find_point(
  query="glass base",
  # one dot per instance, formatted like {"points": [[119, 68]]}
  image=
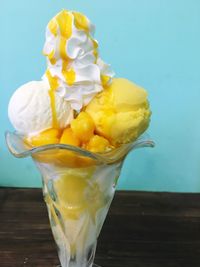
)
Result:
{"points": [[94, 265]]}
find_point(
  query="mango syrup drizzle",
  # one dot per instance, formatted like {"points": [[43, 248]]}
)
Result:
{"points": [[52, 25], [53, 85], [63, 22], [81, 23]]}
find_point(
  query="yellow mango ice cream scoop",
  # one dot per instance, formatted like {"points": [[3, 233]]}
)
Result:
{"points": [[121, 112]]}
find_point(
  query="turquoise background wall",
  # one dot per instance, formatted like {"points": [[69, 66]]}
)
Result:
{"points": [[154, 43]]}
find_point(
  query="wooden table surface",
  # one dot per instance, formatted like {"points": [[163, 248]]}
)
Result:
{"points": [[143, 229]]}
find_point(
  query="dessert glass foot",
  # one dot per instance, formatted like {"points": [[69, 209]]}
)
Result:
{"points": [[78, 188]]}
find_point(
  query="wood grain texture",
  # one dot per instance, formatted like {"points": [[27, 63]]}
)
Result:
{"points": [[143, 229]]}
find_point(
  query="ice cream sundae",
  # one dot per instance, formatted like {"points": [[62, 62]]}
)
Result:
{"points": [[77, 114]]}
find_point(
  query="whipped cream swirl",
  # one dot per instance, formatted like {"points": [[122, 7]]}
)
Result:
{"points": [[74, 68]]}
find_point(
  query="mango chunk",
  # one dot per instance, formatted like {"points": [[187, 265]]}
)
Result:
{"points": [[83, 126], [50, 136], [98, 144], [69, 138]]}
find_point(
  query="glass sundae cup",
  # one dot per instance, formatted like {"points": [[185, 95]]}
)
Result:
{"points": [[78, 187]]}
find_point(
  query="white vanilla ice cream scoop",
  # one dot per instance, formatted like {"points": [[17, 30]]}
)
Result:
{"points": [[30, 109]]}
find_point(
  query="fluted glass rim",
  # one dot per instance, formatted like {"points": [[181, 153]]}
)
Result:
{"points": [[20, 149]]}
